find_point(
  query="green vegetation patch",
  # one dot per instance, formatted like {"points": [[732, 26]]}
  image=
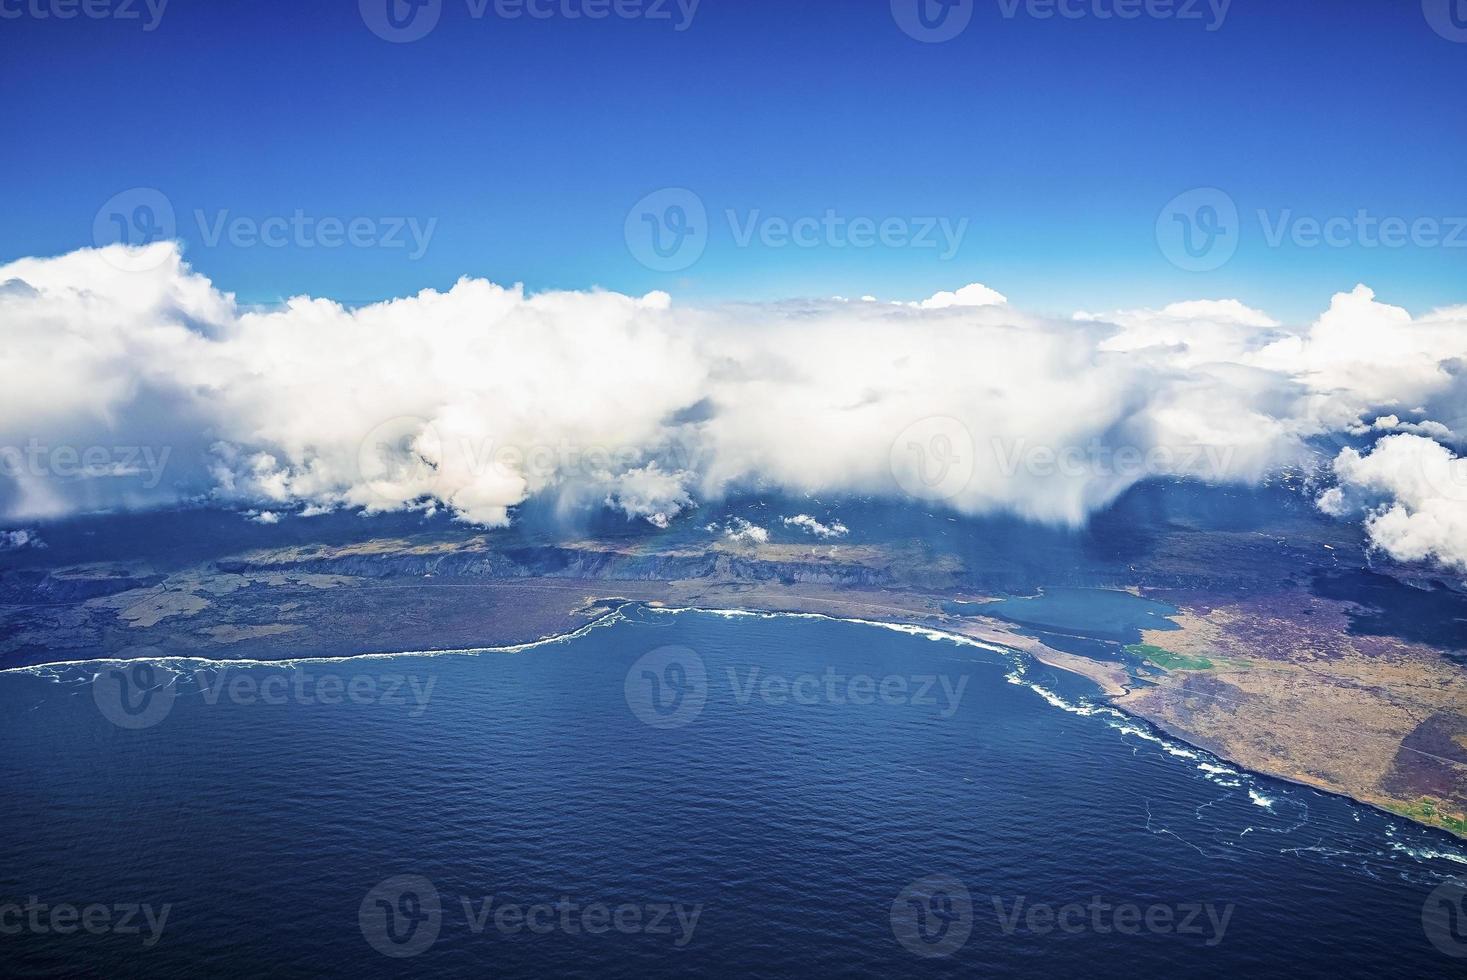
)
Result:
{"points": [[1167, 660], [1427, 810]]}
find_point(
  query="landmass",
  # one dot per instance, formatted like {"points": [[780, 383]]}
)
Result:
{"points": [[1302, 677]]}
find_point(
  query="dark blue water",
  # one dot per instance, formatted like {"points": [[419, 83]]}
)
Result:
{"points": [[756, 824]]}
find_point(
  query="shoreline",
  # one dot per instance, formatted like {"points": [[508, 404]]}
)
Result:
{"points": [[991, 635]]}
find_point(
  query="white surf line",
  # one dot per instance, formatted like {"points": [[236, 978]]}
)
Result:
{"points": [[912, 629], [1118, 719], [606, 619], [1212, 766]]}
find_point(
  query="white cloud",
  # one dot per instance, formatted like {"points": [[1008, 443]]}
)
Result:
{"points": [[477, 398], [1191, 333], [1393, 423], [835, 529], [1365, 354], [973, 294], [15, 540], [741, 530], [1413, 492]]}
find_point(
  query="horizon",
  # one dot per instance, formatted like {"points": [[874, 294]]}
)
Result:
{"points": [[672, 488], [1083, 193]]}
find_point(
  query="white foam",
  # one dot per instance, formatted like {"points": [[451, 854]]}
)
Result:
{"points": [[1018, 662], [1430, 853], [54, 670]]}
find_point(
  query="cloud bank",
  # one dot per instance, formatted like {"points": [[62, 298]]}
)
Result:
{"points": [[131, 381]]}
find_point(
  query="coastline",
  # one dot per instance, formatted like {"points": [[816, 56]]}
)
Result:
{"points": [[906, 613]]}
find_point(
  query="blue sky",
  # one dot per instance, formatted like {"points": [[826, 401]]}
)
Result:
{"points": [[1059, 141]]}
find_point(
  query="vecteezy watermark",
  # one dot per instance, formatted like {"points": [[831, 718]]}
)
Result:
{"points": [[1444, 917], [400, 21], [933, 916], [140, 216], [141, 693], [1200, 230], [407, 457], [148, 13], [404, 915], [1361, 230], [35, 917], [932, 21], [302, 230], [1448, 18], [1214, 12], [1100, 459], [667, 688], [670, 686], [1202, 919], [403, 21], [135, 695], [401, 916], [669, 229], [68, 462], [144, 216], [833, 230], [933, 458]]}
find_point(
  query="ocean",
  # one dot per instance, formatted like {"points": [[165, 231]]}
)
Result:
{"points": [[675, 793]]}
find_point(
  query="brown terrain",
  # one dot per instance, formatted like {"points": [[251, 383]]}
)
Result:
{"points": [[1280, 686]]}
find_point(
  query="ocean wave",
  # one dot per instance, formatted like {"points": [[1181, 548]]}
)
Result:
{"points": [[66, 669], [1019, 663]]}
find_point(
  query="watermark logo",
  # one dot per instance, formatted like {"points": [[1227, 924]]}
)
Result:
{"points": [[1205, 920], [667, 231], [305, 688], [69, 462], [1178, 10], [401, 916], [147, 12], [1444, 917], [1101, 459], [667, 688], [39, 918], [144, 216], [139, 216], [140, 694], [679, 13], [302, 230], [401, 21], [1448, 18], [399, 457], [933, 459], [404, 915], [1198, 230], [894, 690], [932, 21], [933, 916], [1361, 230], [410, 458], [135, 695], [834, 230]]}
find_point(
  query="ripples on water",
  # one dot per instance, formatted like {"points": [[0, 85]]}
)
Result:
{"points": [[799, 832]]}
